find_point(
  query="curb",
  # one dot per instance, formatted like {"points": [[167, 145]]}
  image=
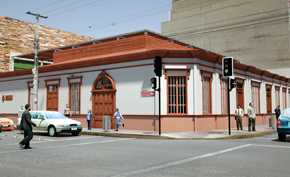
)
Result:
{"points": [[124, 135], [269, 132], [141, 136]]}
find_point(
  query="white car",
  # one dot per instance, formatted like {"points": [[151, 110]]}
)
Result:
{"points": [[53, 122]]}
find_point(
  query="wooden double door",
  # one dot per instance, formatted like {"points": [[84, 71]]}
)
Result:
{"points": [[104, 104]]}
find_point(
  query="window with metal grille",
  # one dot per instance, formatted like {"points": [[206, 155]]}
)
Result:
{"points": [[277, 96], [177, 97], [224, 96], [75, 98], [256, 97], [206, 95], [284, 106]]}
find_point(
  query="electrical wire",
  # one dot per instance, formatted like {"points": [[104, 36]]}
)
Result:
{"points": [[238, 27], [75, 8], [113, 20], [122, 22], [47, 5], [63, 6], [229, 19]]}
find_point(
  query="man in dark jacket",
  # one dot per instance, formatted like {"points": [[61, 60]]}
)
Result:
{"points": [[277, 111], [25, 125]]}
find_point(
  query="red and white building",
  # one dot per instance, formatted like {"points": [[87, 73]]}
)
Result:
{"points": [[115, 72]]}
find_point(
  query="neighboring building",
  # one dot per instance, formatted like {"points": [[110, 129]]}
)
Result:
{"points": [[256, 32], [115, 72], [17, 38]]}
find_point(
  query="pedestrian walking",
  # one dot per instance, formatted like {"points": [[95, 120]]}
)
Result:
{"points": [[25, 125], [239, 113], [20, 112], [277, 111], [67, 112], [252, 117], [118, 116], [89, 119]]}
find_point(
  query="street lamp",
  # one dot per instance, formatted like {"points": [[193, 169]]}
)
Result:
{"points": [[35, 69]]}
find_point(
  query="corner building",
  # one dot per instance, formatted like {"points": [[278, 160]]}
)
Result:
{"points": [[115, 72]]}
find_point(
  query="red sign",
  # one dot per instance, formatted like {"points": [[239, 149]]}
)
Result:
{"points": [[9, 97], [146, 93]]}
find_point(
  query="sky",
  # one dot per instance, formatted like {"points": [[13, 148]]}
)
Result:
{"points": [[93, 18]]}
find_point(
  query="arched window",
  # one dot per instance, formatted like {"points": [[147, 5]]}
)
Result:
{"points": [[104, 84]]}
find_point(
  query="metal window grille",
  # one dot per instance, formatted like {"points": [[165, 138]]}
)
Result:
{"points": [[206, 95], [75, 98], [277, 98], [224, 97], [255, 99], [177, 95]]}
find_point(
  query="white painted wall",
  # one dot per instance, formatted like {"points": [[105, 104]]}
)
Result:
{"points": [[130, 81]]}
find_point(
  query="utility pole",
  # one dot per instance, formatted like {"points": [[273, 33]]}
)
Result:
{"points": [[35, 69]]}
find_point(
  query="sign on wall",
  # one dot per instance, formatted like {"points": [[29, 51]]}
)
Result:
{"points": [[146, 93], [7, 97]]}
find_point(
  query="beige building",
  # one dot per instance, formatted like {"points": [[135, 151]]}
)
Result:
{"points": [[256, 32], [17, 38]]}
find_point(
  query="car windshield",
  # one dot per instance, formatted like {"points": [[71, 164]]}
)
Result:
{"points": [[286, 113], [54, 115]]}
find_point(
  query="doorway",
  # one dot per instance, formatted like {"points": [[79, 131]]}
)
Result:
{"points": [[103, 100], [52, 98]]}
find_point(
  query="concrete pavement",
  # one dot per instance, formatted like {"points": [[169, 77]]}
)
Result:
{"points": [[261, 130]]}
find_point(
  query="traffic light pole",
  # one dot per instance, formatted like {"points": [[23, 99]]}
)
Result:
{"points": [[229, 106]]}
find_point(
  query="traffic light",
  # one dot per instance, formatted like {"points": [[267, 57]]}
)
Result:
{"points": [[232, 84], [158, 66], [153, 83], [227, 66]]}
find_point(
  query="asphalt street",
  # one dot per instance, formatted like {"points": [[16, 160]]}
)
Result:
{"points": [[86, 155]]}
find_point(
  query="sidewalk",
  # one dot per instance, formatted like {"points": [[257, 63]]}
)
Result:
{"points": [[261, 130]]}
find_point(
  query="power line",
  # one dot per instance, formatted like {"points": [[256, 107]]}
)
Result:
{"points": [[75, 8], [47, 5], [64, 6], [122, 22], [230, 19], [113, 20], [229, 27]]}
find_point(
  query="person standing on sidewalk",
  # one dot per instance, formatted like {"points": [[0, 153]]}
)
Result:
{"points": [[118, 116], [239, 113], [20, 112], [25, 125], [89, 119], [67, 111], [277, 111], [252, 117]]}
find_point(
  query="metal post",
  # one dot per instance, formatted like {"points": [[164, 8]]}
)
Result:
{"points": [[36, 57], [35, 78], [159, 105], [229, 112]]}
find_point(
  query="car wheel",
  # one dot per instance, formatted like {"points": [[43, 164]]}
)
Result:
{"points": [[51, 131], [75, 133], [282, 136]]}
